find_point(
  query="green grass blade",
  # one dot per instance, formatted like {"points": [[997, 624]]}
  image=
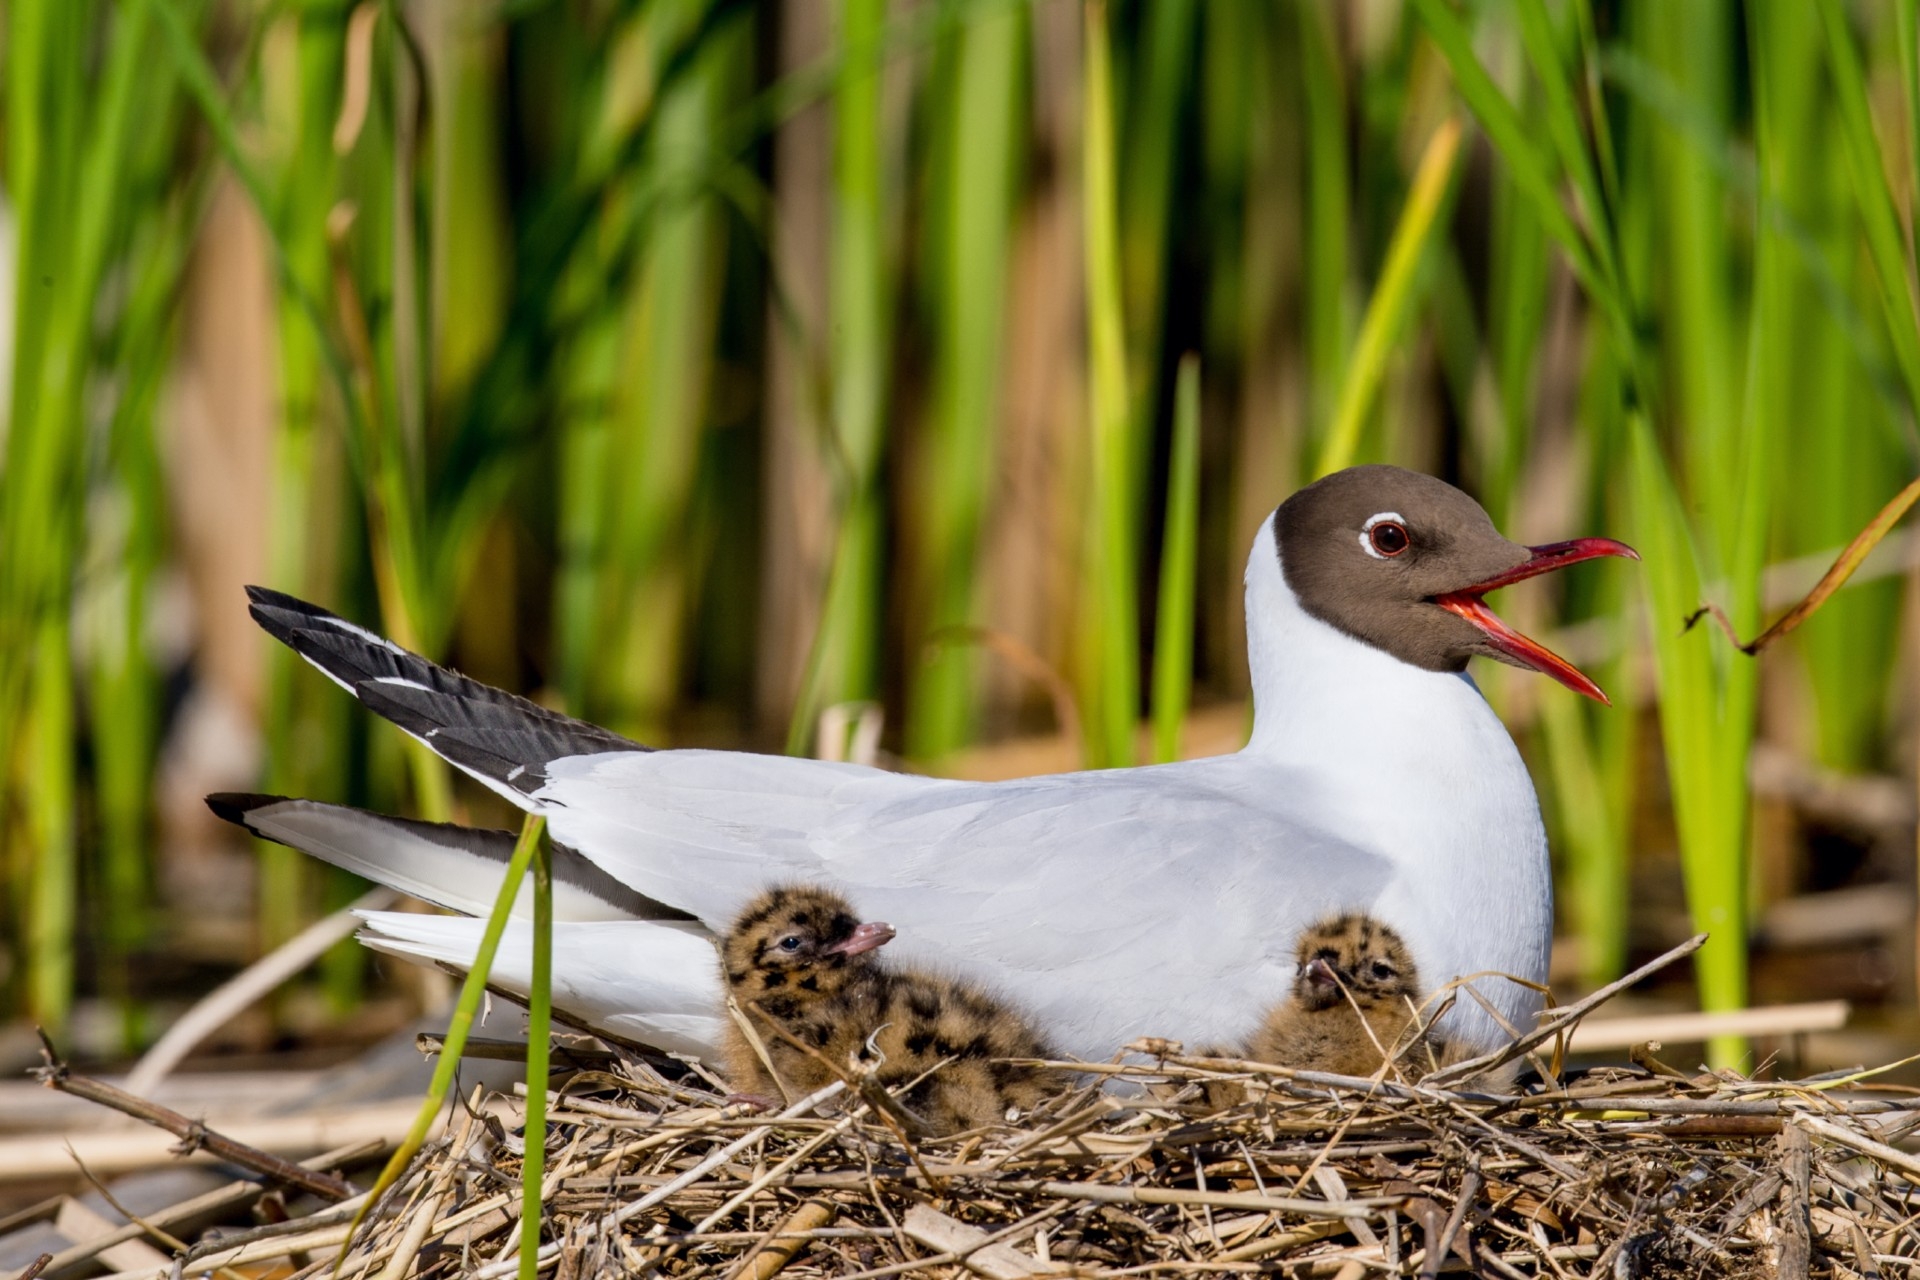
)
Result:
{"points": [[539, 1034], [1328, 207], [976, 167], [1394, 298], [1179, 566], [473, 991], [1706, 757], [1110, 714], [55, 881]]}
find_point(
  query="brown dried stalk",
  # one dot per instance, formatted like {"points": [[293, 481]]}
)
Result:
{"points": [[193, 1135]]}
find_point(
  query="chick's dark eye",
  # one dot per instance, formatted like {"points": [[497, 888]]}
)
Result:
{"points": [[1380, 970], [790, 943], [1389, 538]]}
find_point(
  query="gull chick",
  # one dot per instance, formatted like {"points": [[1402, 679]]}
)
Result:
{"points": [[1354, 995], [802, 968]]}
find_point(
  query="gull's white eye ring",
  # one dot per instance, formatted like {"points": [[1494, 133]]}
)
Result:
{"points": [[1384, 536]]}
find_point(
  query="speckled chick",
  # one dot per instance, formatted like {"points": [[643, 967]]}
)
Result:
{"points": [[798, 959], [1317, 1028]]}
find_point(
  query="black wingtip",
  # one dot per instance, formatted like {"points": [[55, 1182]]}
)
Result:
{"points": [[283, 616], [234, 806], [281, 600]]}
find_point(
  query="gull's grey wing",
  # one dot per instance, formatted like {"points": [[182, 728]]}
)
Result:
{"points": [[1162, 900]]}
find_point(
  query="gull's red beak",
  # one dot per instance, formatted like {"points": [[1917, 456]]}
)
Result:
{"points": [[862, 940], [1467, 603]]}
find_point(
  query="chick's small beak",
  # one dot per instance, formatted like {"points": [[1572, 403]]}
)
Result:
{"points": [[1320, 973], [1508, 643], [863, 939]]}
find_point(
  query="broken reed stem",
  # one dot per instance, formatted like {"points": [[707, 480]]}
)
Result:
{"points": [[193, 1135], [787, 1241], [1560, 1020]]}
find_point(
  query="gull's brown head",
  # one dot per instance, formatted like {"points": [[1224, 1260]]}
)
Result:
{"points": [[1356, 952], [797, 941], [1401, 561]]}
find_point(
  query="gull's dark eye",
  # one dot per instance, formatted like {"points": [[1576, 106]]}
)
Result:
{"points": [[1387, 538], [790, 943], [1380, 971]]}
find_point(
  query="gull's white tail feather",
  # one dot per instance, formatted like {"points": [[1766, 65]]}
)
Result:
{"points": [[655, 982]]}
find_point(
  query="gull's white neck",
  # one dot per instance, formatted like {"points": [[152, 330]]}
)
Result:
{"points": [[1412, 765]]}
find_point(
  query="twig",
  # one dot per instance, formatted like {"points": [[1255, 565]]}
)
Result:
{"points": [[1849, 559], [971, 1246], [35, 1267], [193, 1135], [215, 1202], [1901, 1160], [1795, 1245], [162, 1236], [611, 1223], [1437, 1250], [1359, 1207], [1561, 1019]]}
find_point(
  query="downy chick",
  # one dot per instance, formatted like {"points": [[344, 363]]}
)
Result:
{"points": [[1318, 1028], [798, 961]]}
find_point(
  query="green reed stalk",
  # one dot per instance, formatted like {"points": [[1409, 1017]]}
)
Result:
{"points": [[845, 665], [976, 166], [1394, 298], [1846, 463], [1873, 194], [1110, 713], [1179, 566], [298, 552], [1163, 67], [70, 156], [1328, 286], [539, 1039], [660, 414], [123, 687]]}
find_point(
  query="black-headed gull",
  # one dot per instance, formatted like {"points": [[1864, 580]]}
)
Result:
{"points": [[1165, 900]]}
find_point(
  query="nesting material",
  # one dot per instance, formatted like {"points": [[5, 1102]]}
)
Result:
{"points": [[1630, 1171]]}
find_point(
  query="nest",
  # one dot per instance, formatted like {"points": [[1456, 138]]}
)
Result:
{"points": [[1628, 1171], [1157, 1162]]}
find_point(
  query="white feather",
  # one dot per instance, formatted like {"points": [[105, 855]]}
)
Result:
{"points": [[654, 982]]}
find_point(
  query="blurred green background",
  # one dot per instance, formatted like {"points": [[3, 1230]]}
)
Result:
{"points": [[702, 367]]}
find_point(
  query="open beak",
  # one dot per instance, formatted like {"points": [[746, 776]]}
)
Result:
{"points": [[1467, 603], [863, 939]]}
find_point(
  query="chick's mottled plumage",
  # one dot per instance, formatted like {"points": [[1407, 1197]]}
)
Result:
{"points": [[798, 961], [1321, 1027]]}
